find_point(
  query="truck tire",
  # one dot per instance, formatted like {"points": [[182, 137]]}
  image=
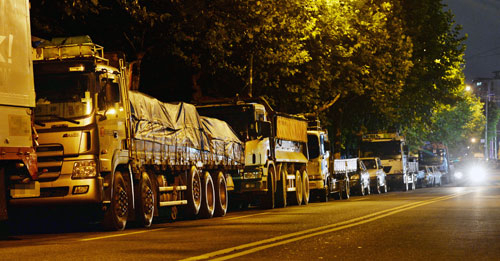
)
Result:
{"points": [[297, 196], [221, 198], [346, 190], [207, 207], [145, 201], [115, 217], [281, 188], [324, 193], [193, 193], [306, 191], [268, 199]]}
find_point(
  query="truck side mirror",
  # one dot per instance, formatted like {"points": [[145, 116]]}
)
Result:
{"points": [[264, 128]]}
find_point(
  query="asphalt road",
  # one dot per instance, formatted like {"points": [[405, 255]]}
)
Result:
{"points": [[440, 223]]}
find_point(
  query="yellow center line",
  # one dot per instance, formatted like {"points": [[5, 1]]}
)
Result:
{"points": [[292, 237], [233, 218], [121, 234]]}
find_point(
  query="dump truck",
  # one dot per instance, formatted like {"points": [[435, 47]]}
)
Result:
{"points": [[392, 150], [275, 146], [18, 162], [324, 181], [128, 155]]}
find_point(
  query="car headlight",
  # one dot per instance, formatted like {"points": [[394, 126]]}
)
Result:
{"points": [[84, 169], [458, 174]]}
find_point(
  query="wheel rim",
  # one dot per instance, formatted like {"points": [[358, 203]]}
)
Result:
{"points": [[210, 195], [306, 190], [148, 201], [196, 190], [298, 187], [222, 192], [121, 203]]}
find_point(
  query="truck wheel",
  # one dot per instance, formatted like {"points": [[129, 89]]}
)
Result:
{"points": [[297, 196], [346, 190], [193, 193], [207, 207], [220, 195], [324, 194], [306, 191], [281, 188], [115, 217], [268, 199], [146, 202]]}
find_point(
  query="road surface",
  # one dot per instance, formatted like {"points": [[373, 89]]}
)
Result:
{"points": [[445, 223]]}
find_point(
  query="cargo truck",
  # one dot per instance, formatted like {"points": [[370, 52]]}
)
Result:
{"points": [[324, 180], [123, 152], [392, 150], [276, 155], [18, 169]]}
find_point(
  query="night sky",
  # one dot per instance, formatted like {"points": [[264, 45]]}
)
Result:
{"points": [[481, 22]]}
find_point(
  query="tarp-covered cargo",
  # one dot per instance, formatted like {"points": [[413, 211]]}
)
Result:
{"points": [[223, 142], [293, 129], [175, 133], [16, 69]]}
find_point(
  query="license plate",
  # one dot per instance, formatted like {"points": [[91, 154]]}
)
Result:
{"points": [[30, 190]]}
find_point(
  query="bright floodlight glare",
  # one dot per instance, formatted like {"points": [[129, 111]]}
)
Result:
{"points": [[458, 175], [467, 88], [477, 173]]}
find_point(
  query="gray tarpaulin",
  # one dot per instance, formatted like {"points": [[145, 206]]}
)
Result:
{"points": [[179, 125], [222, 139], [167, 123]]}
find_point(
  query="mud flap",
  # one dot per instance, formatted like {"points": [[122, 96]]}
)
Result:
{"points": [[3, 196]]}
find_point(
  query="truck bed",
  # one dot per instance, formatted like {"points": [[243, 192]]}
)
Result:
{"points": [[174, 135]]}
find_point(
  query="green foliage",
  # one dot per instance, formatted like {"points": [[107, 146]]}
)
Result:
{"points": [[396, 64]]}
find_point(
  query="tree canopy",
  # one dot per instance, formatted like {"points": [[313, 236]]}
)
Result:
{"points": [[394, 64]]}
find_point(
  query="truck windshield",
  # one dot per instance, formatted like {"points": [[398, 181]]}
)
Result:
{"points": [[313, 146], [370, 163], [240, 117], [428, 157], [62, 96], [383, 149]]}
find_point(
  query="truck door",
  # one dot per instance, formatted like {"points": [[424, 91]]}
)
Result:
{"points": [[110, 120]]}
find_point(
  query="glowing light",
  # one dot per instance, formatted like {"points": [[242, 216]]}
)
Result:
{"points": [[111, 111], [467, 88]]}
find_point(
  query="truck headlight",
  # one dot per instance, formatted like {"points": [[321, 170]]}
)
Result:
{"points": [[458, 174], [257, 174], [84, 169]]}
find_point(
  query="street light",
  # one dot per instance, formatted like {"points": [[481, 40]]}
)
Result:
{"points": [[473, 140], [467, 88]]}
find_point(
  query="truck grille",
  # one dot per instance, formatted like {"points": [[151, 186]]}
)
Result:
{"points": [[50, 159], [54, 192]]}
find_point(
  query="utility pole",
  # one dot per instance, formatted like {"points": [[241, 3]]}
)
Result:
{"points": [[486, 152]]}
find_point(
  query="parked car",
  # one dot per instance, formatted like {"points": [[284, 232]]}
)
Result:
{"points": [[377, 174], [360, 180]]}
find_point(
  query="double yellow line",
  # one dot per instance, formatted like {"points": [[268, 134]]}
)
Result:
{"points": [[256, 246]]}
